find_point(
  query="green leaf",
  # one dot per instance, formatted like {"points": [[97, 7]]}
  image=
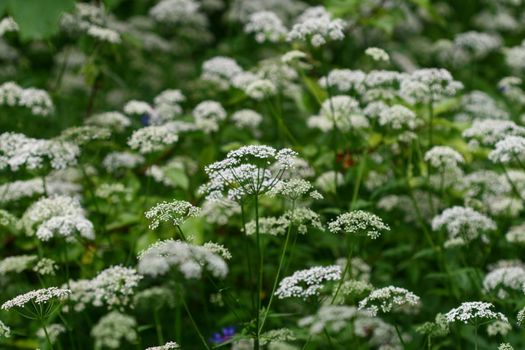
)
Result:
{"points": [[37, 19]]}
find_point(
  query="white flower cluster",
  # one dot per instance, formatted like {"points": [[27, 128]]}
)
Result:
{"points": [[92, 20], [490, 131], [55, 185], [112, 329], [462, 224], [175, 212], [60, 215], [219, 210], [247, 119], [190, 260], [477, 44], [112, 120], [168, 346], [398, 117], [249, 170], [104, 34], [8, 24], [443, 157], [38, 296], [36, 100], [477, 105], [503, 279], [341, 112], [516, 234], [358, 222], [5, 332], [266, 26], [122, 160], [295, 189], [219, 249], [177, 12], [152, 138], [474, 311], [389, 299], [307, 283], [344, 80], [316, 26], [53, 332], [221, 71], [429, 85], [377, 54], [207, 115], [114, 286], [515, 57], [510, 149], [17, 150], [135, 107], [16, 263]]}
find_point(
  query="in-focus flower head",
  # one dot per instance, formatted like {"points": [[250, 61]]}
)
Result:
{"points": [[306, 283], [249, 170], [38, 296], [390, 299], [175, 212], [168, 346], [474, 311], [358, 222]]}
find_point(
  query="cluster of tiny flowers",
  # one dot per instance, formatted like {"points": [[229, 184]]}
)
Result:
{"points": [[260, 89], [112, 328], [443, 157], [60, 215], [152, 138], [176, 12], [190, 260], [38, 296], [121, 160], [389, 299], [114, 286], [247, 118], [221, 71], [503, 279], [219, 249], [358, 222], [463, 224], [295, 189], [377, 54], [516, 234], [515, 56], [498, 327], [490, 131], [249, 170], [505, 346], [112, 120], [168, 346], [104, 34], [398, 117], [45, 266], [429, 85], [175, 212], [18, 150], [306, 283], [508, 150], [344, 80], [474, 311], [316, 27], [36, 100], [135, 107], [16, 263], [341, 112], [207, 116], [266, 26], [477, 44], [219, 210]]}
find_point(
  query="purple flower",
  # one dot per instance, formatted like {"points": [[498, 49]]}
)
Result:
{"points": [[226, 334]]}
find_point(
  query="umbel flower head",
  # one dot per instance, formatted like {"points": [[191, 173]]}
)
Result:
{"points": [[474, 311], [503, 279], [510, 149], [168, 346], [38, 296], [306, 283], [57, 216], [248, 171], [359, 222], [188, 259], [463, 224], [175, 212], [389, 299], [112, 329]]}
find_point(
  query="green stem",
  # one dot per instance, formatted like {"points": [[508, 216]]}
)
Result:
{"points": [[281, 264], [47, 334], [158, 326], [259, 275], [194, 324], [346, 269], [399, 336]]}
